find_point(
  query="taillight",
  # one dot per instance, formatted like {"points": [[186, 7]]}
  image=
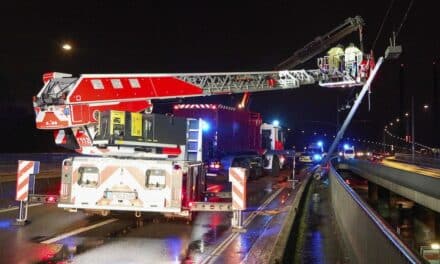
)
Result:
{"points": [[215, 165]]}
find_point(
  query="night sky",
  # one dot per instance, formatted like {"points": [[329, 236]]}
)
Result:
{"points": [[213, 36]]}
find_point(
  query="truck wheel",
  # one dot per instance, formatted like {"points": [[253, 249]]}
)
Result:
{"points": [[275, 171]]}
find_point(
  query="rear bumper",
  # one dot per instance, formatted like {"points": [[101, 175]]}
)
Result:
{"points": [[121, 208]]}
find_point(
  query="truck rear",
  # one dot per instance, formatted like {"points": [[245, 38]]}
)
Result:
{"points": [[104, 184]]}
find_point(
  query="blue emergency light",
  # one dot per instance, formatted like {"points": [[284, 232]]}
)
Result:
{"points": [[205, 126]]}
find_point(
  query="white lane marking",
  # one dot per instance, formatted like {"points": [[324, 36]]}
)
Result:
{"points": [[16, 208], [77, 231], [222, 246]]}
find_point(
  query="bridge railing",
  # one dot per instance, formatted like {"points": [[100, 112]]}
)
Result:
{"points": [[370, 238]]}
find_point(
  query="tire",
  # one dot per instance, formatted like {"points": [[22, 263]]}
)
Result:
{"points": [[275, 171]]}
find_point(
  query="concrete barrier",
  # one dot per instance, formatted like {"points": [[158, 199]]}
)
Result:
{"points": [[280, 247], [419, 188], [369, 238]]}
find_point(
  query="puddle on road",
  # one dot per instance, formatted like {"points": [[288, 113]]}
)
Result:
{"points": [[214, 233], [69, 248]]}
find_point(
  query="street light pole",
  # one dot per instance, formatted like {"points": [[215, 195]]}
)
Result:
{"points": [[412, 130], [353, 109]]}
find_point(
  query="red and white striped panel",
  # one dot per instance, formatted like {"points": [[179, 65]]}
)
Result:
{"points": [[238, 177], [25, 168], [195, 106], [60, 137]]}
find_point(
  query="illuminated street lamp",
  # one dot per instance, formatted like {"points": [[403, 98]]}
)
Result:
{"points": [[425, 106], [66, 47], [406, 114], [397, 120]]}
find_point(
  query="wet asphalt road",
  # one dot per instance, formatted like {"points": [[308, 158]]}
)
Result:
{"points": [[57, 236]]}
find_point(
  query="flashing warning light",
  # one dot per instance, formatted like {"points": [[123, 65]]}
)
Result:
{"points": [[205, 126], [346, 146], [320, 143], [276, 123], [317, 157]]}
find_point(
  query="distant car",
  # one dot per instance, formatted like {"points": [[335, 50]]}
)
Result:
{"points": [[349, 153], [252, 163], [376, 157], [310, 157]]}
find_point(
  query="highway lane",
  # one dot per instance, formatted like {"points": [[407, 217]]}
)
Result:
{"points": [[256, 226], [58, 235], [431, 172]]}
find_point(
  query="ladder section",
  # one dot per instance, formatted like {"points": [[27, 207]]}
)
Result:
{"points": [[226, 83], [194, 140]]}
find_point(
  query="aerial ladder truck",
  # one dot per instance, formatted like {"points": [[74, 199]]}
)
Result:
{"points": [[133, 159]]}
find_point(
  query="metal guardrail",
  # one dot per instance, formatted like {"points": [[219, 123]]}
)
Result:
{"points": [[419, 160], [371, 239]]}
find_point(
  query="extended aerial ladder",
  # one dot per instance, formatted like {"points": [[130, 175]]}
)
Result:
{"points": [[71, 105], [317, 46]]}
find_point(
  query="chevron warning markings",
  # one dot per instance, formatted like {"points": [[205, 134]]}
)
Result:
{"points": [[25, 168], [238, 178]]}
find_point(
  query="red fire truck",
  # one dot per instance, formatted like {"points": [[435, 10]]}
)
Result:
{"points": [[237, 137]]}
